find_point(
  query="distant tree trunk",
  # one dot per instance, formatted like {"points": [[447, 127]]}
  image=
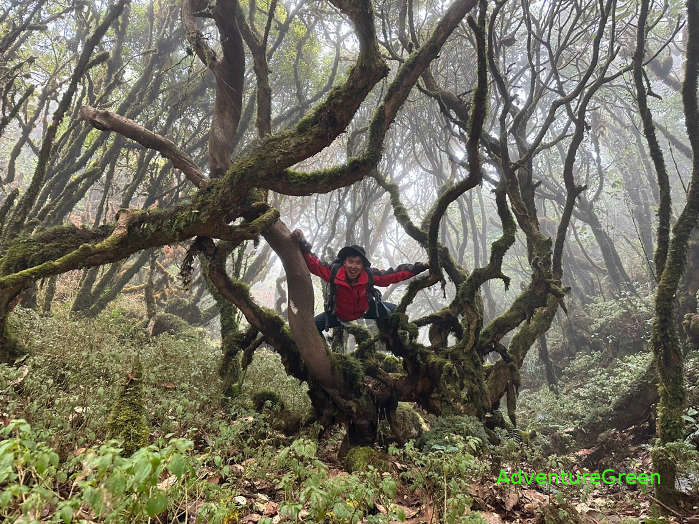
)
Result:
{"points": [[611, 257], [28, 299], [548, 365], [48, 295], [148, 294], [108, 289], [84, 296]]}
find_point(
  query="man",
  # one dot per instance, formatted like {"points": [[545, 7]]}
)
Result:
{"points": [[352, 281]]}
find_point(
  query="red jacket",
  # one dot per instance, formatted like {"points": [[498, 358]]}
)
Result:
{"points": [[351, 300]]}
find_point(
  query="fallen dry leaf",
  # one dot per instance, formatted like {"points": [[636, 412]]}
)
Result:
{"points": [[536, 500], [429, 514], [25, 372], [168, 482], [535, 496], [193, 510], [271, 509], [253, 517], [409, 512], [492, 518], [511, 499], [417, 518], [477, 490]]}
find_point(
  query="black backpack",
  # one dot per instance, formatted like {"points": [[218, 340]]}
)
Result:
{"points": [[371, 292]]}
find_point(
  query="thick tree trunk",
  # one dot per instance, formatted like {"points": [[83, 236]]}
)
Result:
{"points": [[664, 340], [231, 340], [312, 347]]}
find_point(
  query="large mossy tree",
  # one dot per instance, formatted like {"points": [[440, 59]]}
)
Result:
{"points": [[670, 258]]}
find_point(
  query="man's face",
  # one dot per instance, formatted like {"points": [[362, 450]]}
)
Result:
{"points": [[353, 266]]}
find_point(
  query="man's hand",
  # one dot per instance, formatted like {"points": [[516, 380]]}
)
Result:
{"points": [[422, 266], [297, 235]]}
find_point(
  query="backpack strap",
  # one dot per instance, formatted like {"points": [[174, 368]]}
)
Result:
{"points": [[330, 302], [371, 292]]}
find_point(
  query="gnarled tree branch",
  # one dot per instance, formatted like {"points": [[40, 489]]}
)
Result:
{"points": [[108, 121]]}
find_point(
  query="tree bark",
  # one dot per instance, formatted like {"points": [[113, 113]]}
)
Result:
{"points": [[664, 340]]}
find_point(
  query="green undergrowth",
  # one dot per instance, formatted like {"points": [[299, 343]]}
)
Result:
{"points": [[621, 326], [585, 386], [100, 484], [266, 374], [447, 473], [66, 384], [446, 431], [169, 481], [74, 368], [590, 384]]}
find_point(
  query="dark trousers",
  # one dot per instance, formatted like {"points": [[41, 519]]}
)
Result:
{"points": [[333, 322]]}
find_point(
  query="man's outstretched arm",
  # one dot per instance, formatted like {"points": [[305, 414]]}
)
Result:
{"points": [[315, 265], [402, 272]]}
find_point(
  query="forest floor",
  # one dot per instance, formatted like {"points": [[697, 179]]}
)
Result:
{"points": [[491, 501], [495, 502], [213, 459]]}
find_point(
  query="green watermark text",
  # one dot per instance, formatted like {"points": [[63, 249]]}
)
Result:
{"points": [[608, 476]]}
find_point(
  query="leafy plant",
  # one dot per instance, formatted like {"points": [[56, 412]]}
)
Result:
{"points": [[100, 483], [337, 499], [445, 472]]}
